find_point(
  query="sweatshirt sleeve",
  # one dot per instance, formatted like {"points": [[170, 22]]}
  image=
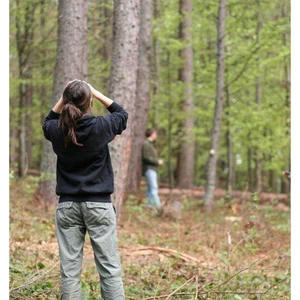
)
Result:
{"points": [[117, 119], [148, 155], [49, 120]]}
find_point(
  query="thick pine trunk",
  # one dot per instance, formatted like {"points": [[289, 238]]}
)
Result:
{"points": [[71, 63], [213, 157], [142, 96], [185, 172], [123, 81]]}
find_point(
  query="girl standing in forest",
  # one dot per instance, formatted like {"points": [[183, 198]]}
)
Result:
{"points": [[84, 184]]}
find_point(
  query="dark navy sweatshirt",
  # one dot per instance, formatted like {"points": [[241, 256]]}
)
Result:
{"points": [[84, 173]]}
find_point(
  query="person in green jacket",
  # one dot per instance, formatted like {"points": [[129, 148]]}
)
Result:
{"points": [[150, 162]]}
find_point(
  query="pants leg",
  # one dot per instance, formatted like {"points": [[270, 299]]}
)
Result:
{"points": [[100, 219], [150, 202], [70, 230], [152, 194]]}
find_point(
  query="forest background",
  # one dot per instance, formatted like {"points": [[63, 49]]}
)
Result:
{"points": [[205, 92], [253, 145]]}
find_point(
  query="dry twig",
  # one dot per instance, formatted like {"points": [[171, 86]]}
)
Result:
{"points": [[180, 287], [34, 278], [147, 250]]}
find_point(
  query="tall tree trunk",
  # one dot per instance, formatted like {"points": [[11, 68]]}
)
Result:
{"points": [[156, 67], [230, 152], [170, 122], [186, 160], [123, 81], [142, 96], [24, 38], [258, 159], [273, 181], [71, 63], [251, 176], [212, 161], [286, 185]]}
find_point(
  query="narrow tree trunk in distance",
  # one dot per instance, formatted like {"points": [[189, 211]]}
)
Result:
{"points": [[251, 177], [25, 137], [230, 152], [24, 38], [170, 122], [186, 159], [155, 66], [212, 161], [258, 159], [71, 63], [123, 80], [287, 67], [142, 96], [273, 181]]}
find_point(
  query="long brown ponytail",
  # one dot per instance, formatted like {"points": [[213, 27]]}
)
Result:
{"points": [[76, 98]]}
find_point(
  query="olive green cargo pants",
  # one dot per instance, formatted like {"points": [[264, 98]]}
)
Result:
{"points": [[73, 219]]}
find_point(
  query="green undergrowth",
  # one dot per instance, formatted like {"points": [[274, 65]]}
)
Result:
{"points": [[228, 253]]}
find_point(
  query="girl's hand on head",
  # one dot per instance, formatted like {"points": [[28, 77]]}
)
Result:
{"points": [[92, 89]]}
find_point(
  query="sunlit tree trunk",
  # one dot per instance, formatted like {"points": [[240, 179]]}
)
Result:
{"points": [[213, 155], [186, 161], [71, 63], [142, 96], [123, 81]]}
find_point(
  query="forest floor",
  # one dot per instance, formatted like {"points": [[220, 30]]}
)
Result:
{"points": [[239, 250]]}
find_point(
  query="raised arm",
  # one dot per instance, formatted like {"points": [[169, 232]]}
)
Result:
{"points": [[100, 97]]}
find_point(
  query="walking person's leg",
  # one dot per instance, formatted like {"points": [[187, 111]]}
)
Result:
{"points": [[151, 176], [100, 219], [150, 202], [70, 230]]}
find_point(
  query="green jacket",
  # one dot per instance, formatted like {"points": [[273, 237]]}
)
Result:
{"points": [[149, 156]]}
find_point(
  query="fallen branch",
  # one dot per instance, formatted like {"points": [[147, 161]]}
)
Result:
{"points": [[165, 296], [148, 250]]}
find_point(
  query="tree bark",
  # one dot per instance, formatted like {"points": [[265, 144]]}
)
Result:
{"points": [[71, 63], [213, 157], [230, 151], [251, 176], [142, 96], [186, 162], [286, 185], [156, 68], [258, 159], [170, 124], [24, 38], [123, 81]]}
